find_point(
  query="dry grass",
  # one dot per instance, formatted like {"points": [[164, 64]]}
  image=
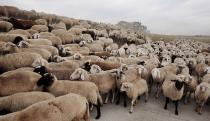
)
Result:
{"points": [[167, 38]]}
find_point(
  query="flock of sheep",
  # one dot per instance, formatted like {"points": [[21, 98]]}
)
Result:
{"points": [[53, 72]]}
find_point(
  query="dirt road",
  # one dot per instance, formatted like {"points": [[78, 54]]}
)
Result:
{"points": [[152, 111]]}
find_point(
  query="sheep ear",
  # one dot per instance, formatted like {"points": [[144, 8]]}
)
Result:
{"points": [[82, 76]]}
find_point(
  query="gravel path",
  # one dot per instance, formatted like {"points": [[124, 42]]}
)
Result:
{"points": [[152, 111]]}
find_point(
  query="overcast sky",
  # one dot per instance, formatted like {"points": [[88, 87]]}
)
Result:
{"points": [[184, 17]]}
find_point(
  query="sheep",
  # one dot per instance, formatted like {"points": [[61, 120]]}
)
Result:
{"points": [[12, 48], [105, 81], [202, 93], [17, 60], [40, 28], [173, 89], [31, 31], [56, 109], [190, 86], [51, 49], [56, 87], [21, 24], [134, 89], [56, 41], [17, 81], [200, 71], [66, 37], [94, 47], [41, 22], [5, 26], [61, 70], [104, 65], [14, 38], [21, 32], [22, 100], [191, 65], [86, 37], [102, 54], [39, 41], [111, 47]]}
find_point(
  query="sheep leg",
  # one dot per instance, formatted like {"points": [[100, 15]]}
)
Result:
{"points": [[146, 96], [176, 107], [150, 83], [113, 96], [107, 98], [125, 99], [91, 106], [132, 103], [118, 98], [189, 96], [166, 103], [157, 90], [98, 111]]}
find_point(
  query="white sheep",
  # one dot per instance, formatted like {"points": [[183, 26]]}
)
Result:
{"points": [[17, 81], [202, 93], [22, 100], [40, 28], [56, 109], [89, 90], [39, 41], [5, 26], [17, 60], [105, 81], [134, 89]]}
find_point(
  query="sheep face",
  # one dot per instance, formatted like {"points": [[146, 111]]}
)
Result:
{"points": [[9, 47], [126, 86], [23, 44], [87, 66], [78, 74], [77, 56], [46, 80], [17, 40], [166, 60], [178, 84], [35, 36], [95, 69], [40, 70], [57, 58], [120, 75]]}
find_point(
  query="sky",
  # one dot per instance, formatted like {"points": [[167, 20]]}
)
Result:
{"points": [[177, 17]]}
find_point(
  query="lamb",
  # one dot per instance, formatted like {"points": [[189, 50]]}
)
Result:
{"points": [[22, 100], [173, 89], [17, 60], [40, 28], [17, 81], [105, 81], [89, 90], [12, 48], [134, 89], [56, 109], [104, 65], [5, 26], [202, 93], [39, 42]]}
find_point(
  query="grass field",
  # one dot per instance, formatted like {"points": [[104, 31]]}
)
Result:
{"points": [[157, 37]]}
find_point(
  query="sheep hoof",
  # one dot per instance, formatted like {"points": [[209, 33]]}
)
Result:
{"points": [[130, 112], [165, 108], [176, 113], [97, 117]]}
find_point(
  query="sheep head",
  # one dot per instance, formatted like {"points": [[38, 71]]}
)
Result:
{"points": [[41, 70], [23, 44], [17, 40], [79, 74], [178, 84], [126, 86], [95, 69], [45, 81], [77, 56], [9, 47]]}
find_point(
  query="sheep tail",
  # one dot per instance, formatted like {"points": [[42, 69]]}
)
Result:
{"points": [[156, 73], [87, 113], [99, 99]]}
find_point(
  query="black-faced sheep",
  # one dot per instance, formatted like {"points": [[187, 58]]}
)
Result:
{"points": [[89, 90]]}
